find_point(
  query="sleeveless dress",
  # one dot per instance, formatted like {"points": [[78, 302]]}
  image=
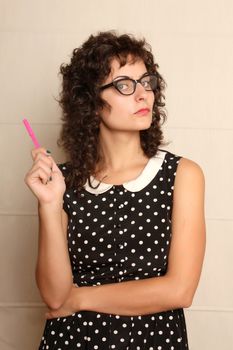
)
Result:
{"points": [[119, 233]]}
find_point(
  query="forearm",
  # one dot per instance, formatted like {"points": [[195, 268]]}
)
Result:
{"points": [[53, 271], [139, 297]]}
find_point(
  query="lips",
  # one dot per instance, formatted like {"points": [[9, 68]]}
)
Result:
{"points": [[143, 111]]}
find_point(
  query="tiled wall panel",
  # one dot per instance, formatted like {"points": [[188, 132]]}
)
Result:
{"points": [[192, 42]]}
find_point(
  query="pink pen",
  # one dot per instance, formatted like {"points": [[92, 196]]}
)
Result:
{"points": [[31, 133]]}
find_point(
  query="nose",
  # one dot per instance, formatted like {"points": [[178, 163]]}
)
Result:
{"points": [[140, 93]]}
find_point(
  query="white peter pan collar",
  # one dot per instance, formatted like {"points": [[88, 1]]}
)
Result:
{"points": [[146, 176]]}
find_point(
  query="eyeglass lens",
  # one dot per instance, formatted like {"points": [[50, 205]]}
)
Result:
{"points": [[128, 86]]}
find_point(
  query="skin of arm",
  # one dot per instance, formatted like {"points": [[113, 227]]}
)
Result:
{"points": [[177, 287], [53, 270]]}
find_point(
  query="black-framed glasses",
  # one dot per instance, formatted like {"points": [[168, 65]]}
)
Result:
{"points": [[127, 86]]}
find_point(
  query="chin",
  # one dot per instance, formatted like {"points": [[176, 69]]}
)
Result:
{"points": [[146, 128], [144, 125]]}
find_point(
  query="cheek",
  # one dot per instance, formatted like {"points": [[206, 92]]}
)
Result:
{"points": [[117, 108], [112, 118], [152, 99]]}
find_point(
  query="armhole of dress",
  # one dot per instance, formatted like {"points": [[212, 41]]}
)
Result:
{"points": [[66, 196], [173, 162]]}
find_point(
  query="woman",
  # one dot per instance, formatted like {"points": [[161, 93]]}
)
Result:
{"points": [[133, 215]]}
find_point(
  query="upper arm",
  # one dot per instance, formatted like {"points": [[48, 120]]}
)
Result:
{"points": [[188, 227]]}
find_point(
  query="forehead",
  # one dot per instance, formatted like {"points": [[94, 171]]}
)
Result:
{"points": [[133, 68]]}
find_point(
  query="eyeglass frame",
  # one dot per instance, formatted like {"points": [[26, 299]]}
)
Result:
{"points": [[135, 82]]}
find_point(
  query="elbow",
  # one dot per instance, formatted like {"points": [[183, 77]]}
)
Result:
{"points": [[185, 299], [53, 297], [186, 302], [53, 304]]}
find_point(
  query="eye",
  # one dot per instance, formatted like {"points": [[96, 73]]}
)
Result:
{"points": [[149, 82], [146, 82], [123, 85]]}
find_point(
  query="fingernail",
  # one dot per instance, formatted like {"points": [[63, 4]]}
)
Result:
{"points": [[48, 152]]}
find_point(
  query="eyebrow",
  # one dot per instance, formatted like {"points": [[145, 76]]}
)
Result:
{"points": [[127, 77]]}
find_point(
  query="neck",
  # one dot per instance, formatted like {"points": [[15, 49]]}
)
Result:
{"points": [[120, 149]]}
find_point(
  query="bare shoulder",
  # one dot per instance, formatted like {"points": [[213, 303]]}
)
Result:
{"points": [[189, 169], [189, 191], [189, 177]]}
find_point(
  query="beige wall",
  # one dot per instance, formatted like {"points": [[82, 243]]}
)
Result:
{"points": [[192, 41]]}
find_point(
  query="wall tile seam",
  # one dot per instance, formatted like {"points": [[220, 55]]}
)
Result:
{"points": [[21, 305], [209, 309], [17, 214], [29, 305]]}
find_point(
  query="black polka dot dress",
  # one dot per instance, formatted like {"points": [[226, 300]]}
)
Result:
{"points": [[120, 233]]}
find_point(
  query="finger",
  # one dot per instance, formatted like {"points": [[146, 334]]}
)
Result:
{"points": [[41, 154], [47, 315], [39, 150], [55, 168], [39, 174], [35, 175], [43, 158], [52, 314], [35, 151], [41, 164]]}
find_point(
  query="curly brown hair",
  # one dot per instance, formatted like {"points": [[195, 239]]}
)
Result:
{"points": [[81, 100]]}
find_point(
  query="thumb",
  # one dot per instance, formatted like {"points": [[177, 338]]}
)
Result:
{"points": [[56, 172], [55, 167]]}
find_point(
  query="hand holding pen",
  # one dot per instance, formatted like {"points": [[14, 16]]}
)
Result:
{"points": [[44, 178]]}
